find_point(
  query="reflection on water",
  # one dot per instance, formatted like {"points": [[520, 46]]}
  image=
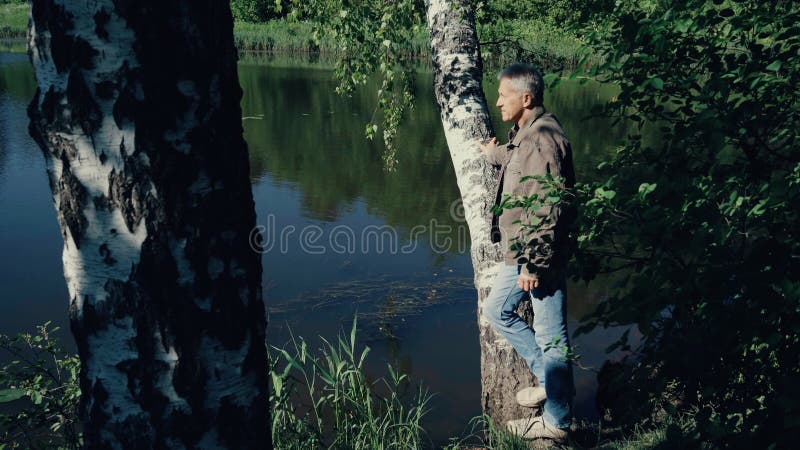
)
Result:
{"points": [[319, 187]]}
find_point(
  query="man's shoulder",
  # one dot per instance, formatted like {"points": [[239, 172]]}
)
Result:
{"points": [[547, 127], [547, 123]]}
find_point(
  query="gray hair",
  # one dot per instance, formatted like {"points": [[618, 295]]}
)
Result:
{"points": [[525, 78]]}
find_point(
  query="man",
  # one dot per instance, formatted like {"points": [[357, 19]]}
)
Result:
{"points": [[535, 261]]}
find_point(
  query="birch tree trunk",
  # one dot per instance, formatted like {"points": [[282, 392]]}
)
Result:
{"points": [[458, 74], [137, 113]]}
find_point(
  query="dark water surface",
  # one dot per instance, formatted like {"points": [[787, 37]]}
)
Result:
{"points": [[343, 236]]}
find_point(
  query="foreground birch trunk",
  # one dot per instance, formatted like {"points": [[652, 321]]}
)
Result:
{"points": [[458, 74], [137, 113]]}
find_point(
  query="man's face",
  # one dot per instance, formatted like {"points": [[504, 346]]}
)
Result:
{"points": [[511, 102]]}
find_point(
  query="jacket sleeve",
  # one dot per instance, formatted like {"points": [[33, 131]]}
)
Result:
{"points": [[539, 245]]}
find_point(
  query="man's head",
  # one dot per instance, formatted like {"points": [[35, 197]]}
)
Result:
{"points": [[521, 87]]}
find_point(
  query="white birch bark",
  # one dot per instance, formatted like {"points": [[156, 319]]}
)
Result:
{"points": [[458, 74], [137, 113]]}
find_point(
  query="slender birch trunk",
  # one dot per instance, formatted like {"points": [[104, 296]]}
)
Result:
{"points": [[458, 73], [137, 113]]}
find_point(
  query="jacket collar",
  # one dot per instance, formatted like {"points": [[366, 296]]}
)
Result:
{"points": [[536, 112]]}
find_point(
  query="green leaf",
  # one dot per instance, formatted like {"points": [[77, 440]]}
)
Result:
{"points": [[293, 362], [657, 83], [9, 395], [774, 67], [645, 189], [277, 383], [759, 209], [353, 330]]}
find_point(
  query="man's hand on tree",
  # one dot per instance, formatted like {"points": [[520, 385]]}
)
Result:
{"points": [[489, 146], [527, 282]]}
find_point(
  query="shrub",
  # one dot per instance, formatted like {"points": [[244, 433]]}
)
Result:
{"points": [[699, 211], [43, 378]]}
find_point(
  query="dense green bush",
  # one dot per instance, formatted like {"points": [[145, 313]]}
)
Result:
{"points": [[256, 10], [561, 13], [45, 380], [702, 218], [544, 44]]}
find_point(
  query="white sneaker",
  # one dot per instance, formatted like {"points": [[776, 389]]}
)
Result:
{"points": [[531, 397], [536, 428]]}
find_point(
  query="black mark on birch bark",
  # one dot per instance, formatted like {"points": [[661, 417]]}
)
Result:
{"points": [[81, 107], [72, 198]]}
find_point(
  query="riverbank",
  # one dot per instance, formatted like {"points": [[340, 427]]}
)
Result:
{"points": [[512, 40], [388, 411], [552, 48], [283, 36]]}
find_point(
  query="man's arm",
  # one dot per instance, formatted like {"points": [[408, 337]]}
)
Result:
{"points": [[547, 155]]}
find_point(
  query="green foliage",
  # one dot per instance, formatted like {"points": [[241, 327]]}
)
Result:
{"points": [[702, 218], [256, 10], [670, 432], [346, 409], [14, 19], [45, 380], [560, 13], [279, 36], [544, 44], [547, 33], [283, 36], [484, 433], [375, 38]]}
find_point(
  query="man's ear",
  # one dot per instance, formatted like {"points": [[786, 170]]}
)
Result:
{"points": [[527, 100]]}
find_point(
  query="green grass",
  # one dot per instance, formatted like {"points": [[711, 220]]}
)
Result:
{"points": [[485, 434], [278, 36], [282, 36], [13, 20], [344, 407], [552, 48]]}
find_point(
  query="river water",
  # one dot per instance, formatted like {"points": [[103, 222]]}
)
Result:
{"points": [[344, 237]]}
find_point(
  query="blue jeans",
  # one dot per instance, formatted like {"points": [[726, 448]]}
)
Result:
{"points": [[542, 347]]}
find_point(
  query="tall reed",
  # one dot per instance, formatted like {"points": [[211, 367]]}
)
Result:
{"points": [[341, 407]]}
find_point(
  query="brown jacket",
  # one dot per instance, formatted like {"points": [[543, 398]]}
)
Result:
{"points": [[538, 147]]}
